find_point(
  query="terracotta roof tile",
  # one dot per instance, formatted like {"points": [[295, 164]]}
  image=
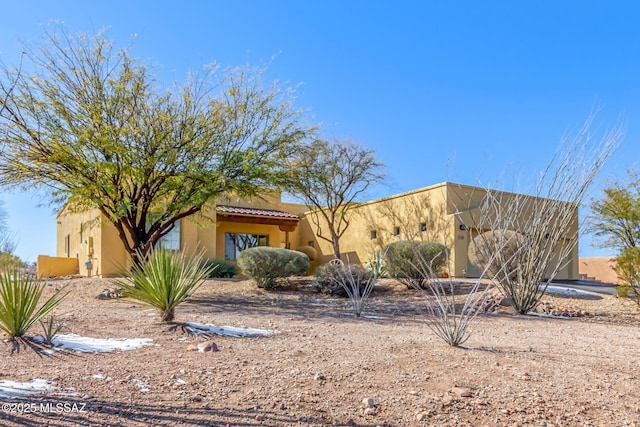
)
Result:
{"points": [[236, 210]]}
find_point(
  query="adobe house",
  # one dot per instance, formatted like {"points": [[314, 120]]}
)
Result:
{"points": [[222, 232], [442, 212], [447, 213]]}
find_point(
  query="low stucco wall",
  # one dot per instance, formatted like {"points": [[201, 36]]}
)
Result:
{"points": [[600, 268], [56, 266]]}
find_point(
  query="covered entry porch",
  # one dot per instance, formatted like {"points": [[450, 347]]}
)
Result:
{"points": [[240, 228]]}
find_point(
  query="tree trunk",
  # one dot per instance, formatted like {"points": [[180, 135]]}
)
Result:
{"points": [[336, 242]]}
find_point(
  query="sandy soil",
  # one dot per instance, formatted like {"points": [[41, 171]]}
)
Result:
{"points": [[323, 362]]}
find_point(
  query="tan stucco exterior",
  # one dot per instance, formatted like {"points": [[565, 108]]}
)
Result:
{"points": [[433, 214], [444, 213], [599, 268], [89, 235], [56, 267]]}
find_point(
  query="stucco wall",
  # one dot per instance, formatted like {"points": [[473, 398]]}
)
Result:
{"points": [[56, 266], [466, 201], [391, 219], [78, 235], [197, 233], [599, 268], [443, 208]]}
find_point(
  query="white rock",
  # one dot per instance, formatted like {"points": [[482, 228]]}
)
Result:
{"points": [[206, 346], [461, 391], [367, 402], [447, 399]]}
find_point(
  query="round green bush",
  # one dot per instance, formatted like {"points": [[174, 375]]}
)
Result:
{"points": [[265, 265], [412, 262], [221, 269]]}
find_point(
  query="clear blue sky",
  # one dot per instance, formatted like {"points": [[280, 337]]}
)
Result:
{"points": [[453, 91]]}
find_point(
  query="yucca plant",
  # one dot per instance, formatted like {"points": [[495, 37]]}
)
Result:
{"points": [[50, 329], [164, 279], [19, 297]]}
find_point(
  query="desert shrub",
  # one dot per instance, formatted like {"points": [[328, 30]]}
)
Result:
{"points": [[221, 269], [450, 309], [330, 278], [404, 258], [164, 279], [348, 280], [265, 265], [309, 251], [19, 297], [628, 270], [8, 260], [482, 251]]}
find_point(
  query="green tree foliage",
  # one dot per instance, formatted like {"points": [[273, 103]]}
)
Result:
{"points": [[615, 223], [92, 124], [330, 177], [615, 218], [628, 270]]}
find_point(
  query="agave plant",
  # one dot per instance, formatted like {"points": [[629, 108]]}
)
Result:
{"points": [[19, 297], [164, 279]]}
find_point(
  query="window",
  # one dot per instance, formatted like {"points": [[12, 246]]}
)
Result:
{"points": [[423, 227], [374, 234], [396, 231], [67, 245], [171, 240], [234, 243], [310, 243]]}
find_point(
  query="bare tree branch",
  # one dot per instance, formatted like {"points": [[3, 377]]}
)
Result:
{"points": [[543, 225], [330, 178]]}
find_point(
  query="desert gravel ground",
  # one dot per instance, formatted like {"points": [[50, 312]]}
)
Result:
{"points": [[326, 367]]}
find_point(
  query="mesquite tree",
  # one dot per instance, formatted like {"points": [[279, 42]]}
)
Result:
{"points": [[91, 124], [330, 177], [615, 223], [615, 217]]}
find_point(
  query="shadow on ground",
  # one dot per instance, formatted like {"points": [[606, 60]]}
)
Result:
{"points": [[65, 411], [383, 305]]}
